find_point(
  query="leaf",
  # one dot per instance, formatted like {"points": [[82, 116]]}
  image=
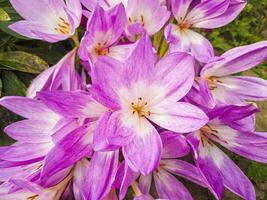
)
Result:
{"points": [[22, 61], [257, 172], [3, 15], [12, 85]]}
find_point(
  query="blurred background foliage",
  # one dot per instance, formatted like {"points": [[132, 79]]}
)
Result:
{"points": [[22, 59]]}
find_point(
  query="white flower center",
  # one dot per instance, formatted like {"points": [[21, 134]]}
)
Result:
{"points": [[140, 108]]}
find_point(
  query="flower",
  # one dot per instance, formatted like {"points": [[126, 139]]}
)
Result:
{"points": [[103, 34], [51, 21], [138, 92], [221, 88], [199, 14], [224, 128]]}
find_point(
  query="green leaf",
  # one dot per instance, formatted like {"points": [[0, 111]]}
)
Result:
{"points": [[257, 172], [12, 85], [22, 61], [3, 15]]}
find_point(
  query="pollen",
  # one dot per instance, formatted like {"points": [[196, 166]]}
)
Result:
{"points": [[32, 197], [184, 25], [63, 27], [101, 50], [140, 108]]}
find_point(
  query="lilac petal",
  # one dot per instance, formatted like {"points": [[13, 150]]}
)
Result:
{"points": [[50, 36], [72, 104], [28, 108], [178, 117], [237, 60], [183, 169], [121, 52], [28, 9], [180, 8], [167, 70], [30, 131], [76, 8], [61, 76], [79, 173], [251, 88], [106, 78], [66, 152], [235, 180], [145, 183], [227, 17], [128, 177], [207, 159], [25, 184], [165, 183], [137, 154], [98, 184], [26, 151], [171, 141], [110, 133], [207, 10]]}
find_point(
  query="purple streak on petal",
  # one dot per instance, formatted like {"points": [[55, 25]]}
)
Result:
{"points": [[237, 60], [250, 88], [184, 169], [174, 145], [30, 131], [165, 182], [180, 8], [79, 174], [178, 117], [137, 155], [72, 104], [66, 152], [76, 8], [98, 184], [169, 68], [145, 183]]}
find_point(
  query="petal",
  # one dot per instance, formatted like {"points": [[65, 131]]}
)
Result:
{"points": [[250, 88], [111, 133], [28, 108], [76, 8], [169, 68], [165, 183], [121, 52], [61, 76], [184, 169], [227, 17], [26, 151], [72, 104], [79, 173], [178, 117], [67, 151], [207, 159], [30, 131], [237, 60], [180, 8], [98, 184], [143, 153], [145, 183], [171, 141]]}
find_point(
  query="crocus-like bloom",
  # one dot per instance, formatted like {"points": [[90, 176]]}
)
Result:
{"points": [[217, 86], [199, 14], [174, 146], [224, 129], [104, 30], [61, 76], [140, 91], [51, 21], [106, 4]]}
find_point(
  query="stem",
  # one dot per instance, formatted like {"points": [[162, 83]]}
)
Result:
{"points": [[136, 189], [75, 39]]}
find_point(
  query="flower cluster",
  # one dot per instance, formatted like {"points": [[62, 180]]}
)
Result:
{"points": [[151, 91]]}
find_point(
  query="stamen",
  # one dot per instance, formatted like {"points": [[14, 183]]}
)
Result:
{"points": [[32, 197], [63, 26]]}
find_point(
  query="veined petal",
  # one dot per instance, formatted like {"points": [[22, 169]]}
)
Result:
{"points": [[237, 60], [145, 183], [183, 169], [174, 145], [178, 117], [67, 151], [169, 68], [28, 108], [72, 104], [227, 17], [121, 52], [180, 8], [250, 88], [98, 184], [79, 173], [76, 8], [30, 131], [143, 153], [165, 182]]}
